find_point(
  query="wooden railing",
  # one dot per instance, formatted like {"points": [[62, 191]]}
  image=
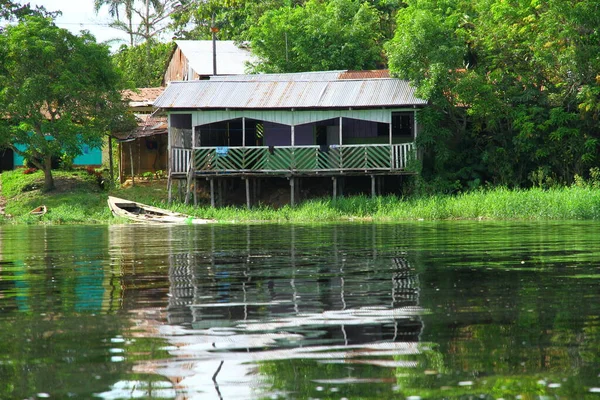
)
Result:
{"points": [[180, 160], [300, 159]]}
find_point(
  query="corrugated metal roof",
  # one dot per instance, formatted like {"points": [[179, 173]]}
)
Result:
{"points": [[148, 125], [231, 59], [295, 76], [288, 94]]}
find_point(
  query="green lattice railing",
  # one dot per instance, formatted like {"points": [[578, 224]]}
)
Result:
{"points": [[302, 158]]}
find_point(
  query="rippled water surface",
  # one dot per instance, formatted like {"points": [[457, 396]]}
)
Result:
{"points": [[453, 310]]}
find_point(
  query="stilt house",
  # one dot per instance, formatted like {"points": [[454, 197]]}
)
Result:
{"points": [[328, 124]]}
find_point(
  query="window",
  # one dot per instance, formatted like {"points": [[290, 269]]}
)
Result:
{"points": [[403, 123]]}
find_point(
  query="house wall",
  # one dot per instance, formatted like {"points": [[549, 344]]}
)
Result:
{"points": [[90, 156], [178, 68], [149, 155]]}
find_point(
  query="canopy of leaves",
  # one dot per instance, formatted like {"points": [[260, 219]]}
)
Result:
{"points": [[55, 84], [232, 18], [140, 70], [318, 36], [514, 87], [10, 10]]}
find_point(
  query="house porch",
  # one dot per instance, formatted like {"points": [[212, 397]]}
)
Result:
{"points": [[253, 145]]}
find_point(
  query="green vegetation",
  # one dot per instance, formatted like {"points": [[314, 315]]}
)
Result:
{"points": [[51, 105], [140, 70], [513, 89], [79, 198], [319, 36]]}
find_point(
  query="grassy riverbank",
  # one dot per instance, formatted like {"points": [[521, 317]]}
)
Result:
{"points": [[80, 199]]}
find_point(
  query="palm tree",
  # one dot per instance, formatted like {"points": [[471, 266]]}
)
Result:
{"points": [[113, 11]]}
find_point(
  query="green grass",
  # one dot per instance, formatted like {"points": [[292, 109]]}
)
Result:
{"points": [[567, 203], [79, 199]]}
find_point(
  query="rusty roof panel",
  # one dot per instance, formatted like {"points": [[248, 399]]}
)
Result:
{"points": [[368, 74], [141, 96], [288, 94]]}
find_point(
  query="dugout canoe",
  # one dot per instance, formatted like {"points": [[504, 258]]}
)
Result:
{"points": [[139, 212], [39, 211]]}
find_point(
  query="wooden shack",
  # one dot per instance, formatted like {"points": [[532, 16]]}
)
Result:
{"points": [[193, 60]]}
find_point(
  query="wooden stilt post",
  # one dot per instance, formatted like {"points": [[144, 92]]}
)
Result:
{"points": [[373, 190], [334, 179], [292, 191], [247, 192], [188, 183], [170, 188], [212, 192], [131, 162], [195, 192], [220, 190]]}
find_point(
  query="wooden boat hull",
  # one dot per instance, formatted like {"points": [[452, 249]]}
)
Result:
{"points": [[139, 212], [39, 211]]}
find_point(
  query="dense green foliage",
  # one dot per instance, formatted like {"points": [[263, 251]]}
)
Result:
{"points": [[10, 10], [319, 36], [58, 92], [514, 88], [142, 71]]}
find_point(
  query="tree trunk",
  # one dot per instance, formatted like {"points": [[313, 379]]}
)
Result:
{"points": [[110, 161], [48, 179]]}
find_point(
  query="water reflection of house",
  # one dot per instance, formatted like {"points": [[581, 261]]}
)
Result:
{"points": [[226, 290]]}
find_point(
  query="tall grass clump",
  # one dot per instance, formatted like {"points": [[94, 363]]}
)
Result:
{"points": [[497, 203]]}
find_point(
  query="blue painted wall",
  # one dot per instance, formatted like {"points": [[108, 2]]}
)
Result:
{"points": [[89, 156]]}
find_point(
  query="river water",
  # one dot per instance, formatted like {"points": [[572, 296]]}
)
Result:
{"points": [[452, 310]]}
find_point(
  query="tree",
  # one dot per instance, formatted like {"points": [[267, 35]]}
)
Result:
{"points": [[513, 87], [318, 36], [233, 18], [114, 11], [139, 72], [152, 14], [15, 11], [58, 91]]}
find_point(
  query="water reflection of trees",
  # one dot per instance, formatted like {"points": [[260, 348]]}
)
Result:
{"points": [[55, 313]]}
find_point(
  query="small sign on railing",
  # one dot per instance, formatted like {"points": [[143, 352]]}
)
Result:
{"points": [[222, 151]]}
